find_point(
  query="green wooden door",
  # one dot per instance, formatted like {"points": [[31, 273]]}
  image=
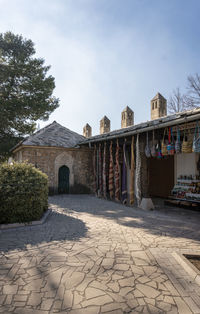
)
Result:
{"points": [[63, 180]]}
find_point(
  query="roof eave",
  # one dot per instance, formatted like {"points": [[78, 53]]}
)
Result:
{"points": [[148, 126]]}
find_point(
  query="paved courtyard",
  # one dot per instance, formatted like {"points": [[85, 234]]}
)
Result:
{"points": [[96, 256]]}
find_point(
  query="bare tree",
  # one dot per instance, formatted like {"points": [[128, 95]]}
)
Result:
{"points": [[177, 102], [193, 97]]}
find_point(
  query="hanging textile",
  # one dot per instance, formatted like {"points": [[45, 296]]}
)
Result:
{"points": [[138, 172], [124, 176], [117, 190], [132, 172], [104, 170], [95, 168], [100, 172], [111, 173]]}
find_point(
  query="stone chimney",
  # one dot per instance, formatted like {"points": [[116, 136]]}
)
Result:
{"points": [[104, 125], [87, 130], [158, 107], [127, 117]]}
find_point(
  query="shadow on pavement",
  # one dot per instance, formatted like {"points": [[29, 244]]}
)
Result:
{"points": [[166, 222], [58, 227]]}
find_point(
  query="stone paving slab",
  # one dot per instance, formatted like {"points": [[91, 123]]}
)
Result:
{"points": [[96, 256]]}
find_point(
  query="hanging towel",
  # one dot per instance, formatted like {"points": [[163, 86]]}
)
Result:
{"points": [[100, 172], [111, 173], [104, 171], [124, 176], [138, 172], [132, 172], [95, 168], [117, 190]]}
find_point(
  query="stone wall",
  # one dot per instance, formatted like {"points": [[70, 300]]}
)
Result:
{"points": [[80, 163], [50, 159]]}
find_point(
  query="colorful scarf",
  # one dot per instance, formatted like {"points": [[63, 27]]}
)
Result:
{"points": [[94, 168], [132, 173], [104, 170], [124, 176], [138, 172], [111, 173], [100, 172], [117, 189]]}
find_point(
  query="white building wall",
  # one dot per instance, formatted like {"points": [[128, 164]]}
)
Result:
{"points": [[185, 164]]}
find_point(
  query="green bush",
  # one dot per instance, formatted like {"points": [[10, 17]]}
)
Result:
{"points": [[23, 193]]}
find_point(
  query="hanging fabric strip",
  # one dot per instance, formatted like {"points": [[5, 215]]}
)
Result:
{"points": [[117, 190], [124, 176], [138, 172], [94, 168], [100, 172], [104, 170], [97, 168], [132, 173], [111, 173]]}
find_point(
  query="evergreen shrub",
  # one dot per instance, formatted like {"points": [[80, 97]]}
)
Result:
{"points": [[23, 193]]}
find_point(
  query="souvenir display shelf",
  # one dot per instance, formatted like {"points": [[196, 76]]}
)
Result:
{"points": [[186, 189]]}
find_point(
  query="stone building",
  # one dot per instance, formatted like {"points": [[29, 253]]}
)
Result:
{"points": [[127, 117], [154, 175], [76, 163], [158, 107], [104, 125], [87, 130], [54, 150]]}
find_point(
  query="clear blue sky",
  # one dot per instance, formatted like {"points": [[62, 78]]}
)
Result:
{"points": [[106, 54]]}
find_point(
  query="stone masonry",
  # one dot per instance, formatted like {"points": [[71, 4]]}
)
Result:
{"points": [[127, 117], [104, 125], [50, 159], [158, 107], [87, 131]]}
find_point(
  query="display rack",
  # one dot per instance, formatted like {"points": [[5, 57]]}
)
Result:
{"points": [[186, 192]]}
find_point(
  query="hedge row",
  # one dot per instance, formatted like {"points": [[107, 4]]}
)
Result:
{"points": [[23, 193]]}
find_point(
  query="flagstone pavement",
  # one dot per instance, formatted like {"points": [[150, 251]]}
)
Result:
{"points": [[96, 256]]}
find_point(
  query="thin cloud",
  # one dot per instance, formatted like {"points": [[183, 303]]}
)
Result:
{"points": [[103, 56]]}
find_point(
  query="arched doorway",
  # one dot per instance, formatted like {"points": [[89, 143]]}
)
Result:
{"points": [[63, 180]]}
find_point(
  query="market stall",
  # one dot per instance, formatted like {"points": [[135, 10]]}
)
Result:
{"points": [[173, 172]]}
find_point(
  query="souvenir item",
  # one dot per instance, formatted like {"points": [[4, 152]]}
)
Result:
{"points": [[178, 142], [117, 169], [187, 143], [164, 145], [158, 151], [147, 148], [170, 146], [196, 139], [124, 176], [153, 148], [132, 183]]}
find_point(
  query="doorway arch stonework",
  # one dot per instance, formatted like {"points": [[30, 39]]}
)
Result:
{"points": [[64, 159]]}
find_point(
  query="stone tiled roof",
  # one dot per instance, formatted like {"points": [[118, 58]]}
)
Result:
{"points": [[54, 135]]}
